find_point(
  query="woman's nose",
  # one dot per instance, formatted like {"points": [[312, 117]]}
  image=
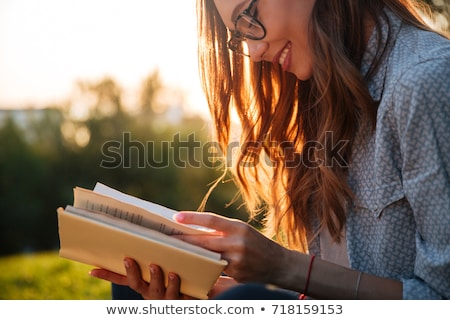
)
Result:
{"points": [[257, 49]]}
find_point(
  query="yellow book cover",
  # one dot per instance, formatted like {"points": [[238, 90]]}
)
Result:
{"points": [[104, 227]]}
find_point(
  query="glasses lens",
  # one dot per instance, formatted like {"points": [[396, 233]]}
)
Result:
{"points": [[250, 28]]}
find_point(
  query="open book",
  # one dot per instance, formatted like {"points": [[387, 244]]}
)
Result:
{"points": [[103, 226]]}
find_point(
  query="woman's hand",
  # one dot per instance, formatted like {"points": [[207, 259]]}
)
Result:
{"points": [[251, 256], [222, 284], [155, 290]]}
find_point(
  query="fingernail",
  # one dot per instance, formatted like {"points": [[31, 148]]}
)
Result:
{"points": [[178, 216], [152, 269], [171, 276], [126, 263]]}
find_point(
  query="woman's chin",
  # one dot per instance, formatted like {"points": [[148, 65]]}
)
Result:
{"points": [[302, 74]]}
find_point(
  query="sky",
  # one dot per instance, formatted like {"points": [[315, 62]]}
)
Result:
{"points": [[48, 45]]}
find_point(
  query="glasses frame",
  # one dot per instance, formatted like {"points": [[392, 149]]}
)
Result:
{"points": [[238, 37]]}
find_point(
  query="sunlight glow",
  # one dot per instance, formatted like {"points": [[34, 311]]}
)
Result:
{"points": [[48, 45]]}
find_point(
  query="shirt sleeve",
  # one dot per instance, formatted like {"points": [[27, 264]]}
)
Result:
{"points": [[422, 112]]}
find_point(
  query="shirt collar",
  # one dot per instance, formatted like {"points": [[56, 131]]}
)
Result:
{"points": [[389, 28]]}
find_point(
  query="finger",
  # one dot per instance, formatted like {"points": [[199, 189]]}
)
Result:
{"points": [[134, 276], [209, 220], [213, 243], [157, 288], [109, 276], [173, 287]]}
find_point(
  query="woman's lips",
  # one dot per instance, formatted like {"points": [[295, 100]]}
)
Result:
{"points": [[283, 57]]}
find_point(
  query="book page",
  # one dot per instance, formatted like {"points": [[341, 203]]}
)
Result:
{"points": [[143, 232], [144, 204], [147, 205], [132, 209]]}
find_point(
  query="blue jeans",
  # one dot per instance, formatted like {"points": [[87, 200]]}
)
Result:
{"points": [[256, 291], [124, 293], [252, 291]]}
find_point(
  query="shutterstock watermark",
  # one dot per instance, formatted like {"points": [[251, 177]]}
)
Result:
{"points": [[183, 152]]}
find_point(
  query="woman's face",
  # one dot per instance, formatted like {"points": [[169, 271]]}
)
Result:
{"points": [[287, 38]]}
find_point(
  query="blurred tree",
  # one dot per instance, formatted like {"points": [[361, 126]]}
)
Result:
{"points": [[51, 152], [150, 87], [107, 97], [23, 173]]}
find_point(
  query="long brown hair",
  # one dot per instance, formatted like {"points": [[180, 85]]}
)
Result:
{"points": [[286, 168]]}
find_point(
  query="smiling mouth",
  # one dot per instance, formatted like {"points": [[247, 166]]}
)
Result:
{"points": [[281, 57]]}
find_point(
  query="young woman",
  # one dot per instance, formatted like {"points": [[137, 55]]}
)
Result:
{"points": [[346, 107]]}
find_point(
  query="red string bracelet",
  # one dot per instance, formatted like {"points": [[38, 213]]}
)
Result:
{"points": [[303, 295]]}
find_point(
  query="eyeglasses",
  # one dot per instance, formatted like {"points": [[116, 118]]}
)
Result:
{"points": [[246, 26]]}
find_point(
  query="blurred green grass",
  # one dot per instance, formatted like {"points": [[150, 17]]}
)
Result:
{"points": [[46, 276]]}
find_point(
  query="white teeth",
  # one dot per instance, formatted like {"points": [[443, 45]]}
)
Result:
{"points": [[284, 54]]}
